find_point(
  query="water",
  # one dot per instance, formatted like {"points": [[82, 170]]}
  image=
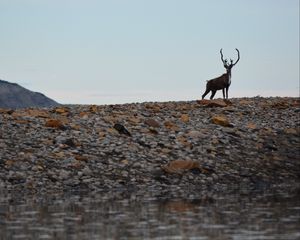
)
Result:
{"points": [[238, 215]]}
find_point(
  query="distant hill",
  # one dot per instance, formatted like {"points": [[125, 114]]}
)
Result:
{"points": [[15, 96]]}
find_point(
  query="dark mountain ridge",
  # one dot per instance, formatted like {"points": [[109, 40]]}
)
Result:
{"points": [[12, 95]]}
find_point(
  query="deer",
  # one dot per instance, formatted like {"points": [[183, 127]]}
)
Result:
{"points": [[223, 82]]}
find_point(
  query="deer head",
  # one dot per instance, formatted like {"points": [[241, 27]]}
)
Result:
{"points": [[228, 65]]}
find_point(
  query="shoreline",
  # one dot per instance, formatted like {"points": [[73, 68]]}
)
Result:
{"points": [[179, 147]]}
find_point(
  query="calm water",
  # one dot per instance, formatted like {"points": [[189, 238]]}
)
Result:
{"points": [[239, 215]]}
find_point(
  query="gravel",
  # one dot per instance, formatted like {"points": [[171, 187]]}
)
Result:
{"points": [[247, 142]]}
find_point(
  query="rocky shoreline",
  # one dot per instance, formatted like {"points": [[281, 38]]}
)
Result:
{"points": [[170, 146]]}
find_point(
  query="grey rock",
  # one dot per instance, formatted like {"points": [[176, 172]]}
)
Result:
{"points": [[14, 96]]}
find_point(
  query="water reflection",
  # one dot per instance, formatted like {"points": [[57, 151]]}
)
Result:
{"points": [[254, 215]]}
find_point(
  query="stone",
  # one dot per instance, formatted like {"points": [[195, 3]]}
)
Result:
{"points": [[152, 123], [20, 121], [222, 121], [86, 171], [153, 131], [280, 104], [62, 110], [38, 113], [84, 115], [55, 123], [6, 111], [93, 109], [111, 119], [291, 131], [183, 140], [179, 166], [70, 142], [296, 103], [125, 161], [121, 129], [245, 102], [194, 134], [171, 125], [134, 120], [63, 174], [81, 158], [203, 102], [9, 163], [185, 118], [214, 103], [251, 125], [101, 135], [59, 155], [112, 131]]}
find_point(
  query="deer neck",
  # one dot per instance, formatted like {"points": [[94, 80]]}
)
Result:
{"points": [[228, 73]]}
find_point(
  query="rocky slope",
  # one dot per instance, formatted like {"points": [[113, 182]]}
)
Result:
{"points": [[171, 146], [14, 96]]}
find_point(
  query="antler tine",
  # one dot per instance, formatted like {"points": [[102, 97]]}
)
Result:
{"points": [[238, 56], [222, 56]]}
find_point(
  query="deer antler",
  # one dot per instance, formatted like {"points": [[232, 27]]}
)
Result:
{"points": [[238, 56], [224, 61]]}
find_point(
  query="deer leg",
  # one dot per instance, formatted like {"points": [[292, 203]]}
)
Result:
{"points": [[206, 92], [227, 92], [223, 90], [213, 92]]}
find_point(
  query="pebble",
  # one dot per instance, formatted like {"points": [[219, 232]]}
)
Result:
{"points": [[76, 147]]}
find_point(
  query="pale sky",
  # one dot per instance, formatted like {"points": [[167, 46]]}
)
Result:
{"points": [[118, 51]]}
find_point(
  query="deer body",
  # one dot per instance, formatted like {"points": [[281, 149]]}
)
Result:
{"points": [[223, 82]]}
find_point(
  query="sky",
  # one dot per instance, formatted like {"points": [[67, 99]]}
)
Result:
{"points": [[121, 51]]}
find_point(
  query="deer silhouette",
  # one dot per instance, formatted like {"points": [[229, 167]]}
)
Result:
{"points": [[223, 82]]}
